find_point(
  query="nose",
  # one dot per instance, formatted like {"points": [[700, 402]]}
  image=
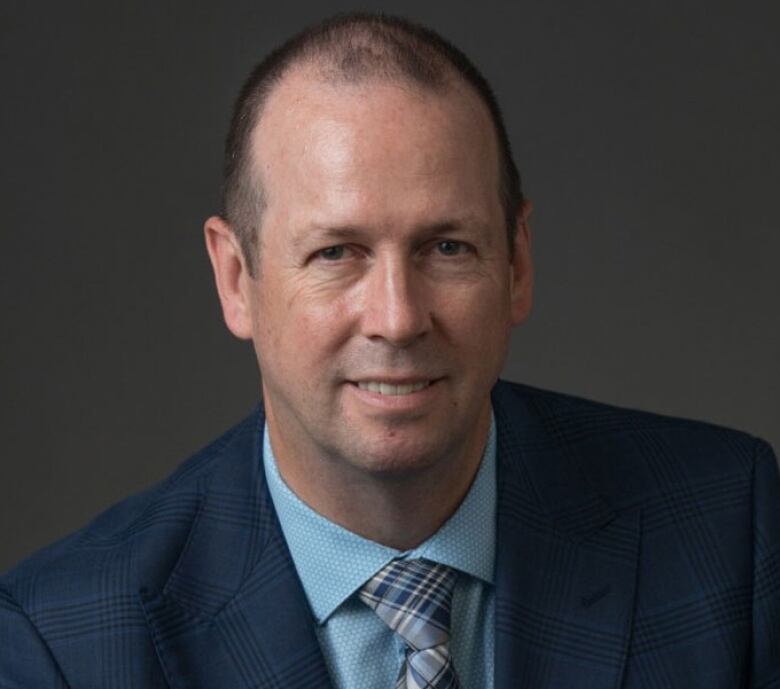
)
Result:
{"points": [[396, 307]]}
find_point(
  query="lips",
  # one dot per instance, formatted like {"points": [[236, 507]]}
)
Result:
{"points": [[393, 389]]}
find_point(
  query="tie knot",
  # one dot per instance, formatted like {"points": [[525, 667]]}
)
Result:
{"points": [[413, 597]]}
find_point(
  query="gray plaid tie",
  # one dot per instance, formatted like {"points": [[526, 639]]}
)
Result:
{"points": [[413, 598]]}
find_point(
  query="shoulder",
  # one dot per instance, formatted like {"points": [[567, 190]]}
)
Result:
{"points": [[135, 540], [628, 455], [577, 420]]}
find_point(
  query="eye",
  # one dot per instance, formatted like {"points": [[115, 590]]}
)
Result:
{"points": [[332, 253], [449, 247]]}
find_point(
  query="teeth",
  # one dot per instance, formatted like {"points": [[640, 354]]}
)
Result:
{"points": [[387, 389]]}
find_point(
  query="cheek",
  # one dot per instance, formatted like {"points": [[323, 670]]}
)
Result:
{"points": [[302, 328], [479, 316]]}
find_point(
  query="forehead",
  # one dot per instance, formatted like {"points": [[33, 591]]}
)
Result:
{"points": [[374, 147]]}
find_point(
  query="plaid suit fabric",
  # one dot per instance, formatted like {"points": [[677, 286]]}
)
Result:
{"points": [[414, 598], [658, 539], [633, 551]]}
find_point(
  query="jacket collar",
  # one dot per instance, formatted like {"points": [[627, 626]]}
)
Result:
{"points": [[233, 614], [566, 561]]}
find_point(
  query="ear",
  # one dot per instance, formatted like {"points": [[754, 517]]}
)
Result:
{"points": [[231, 275], [522, 268]]}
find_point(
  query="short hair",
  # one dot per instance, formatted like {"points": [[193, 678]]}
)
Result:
{"points": [[352, 47]]}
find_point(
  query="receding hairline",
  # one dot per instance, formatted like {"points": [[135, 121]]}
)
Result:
{"points": [[313, 75], [322, 72]]}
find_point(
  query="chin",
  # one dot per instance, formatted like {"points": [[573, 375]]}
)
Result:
{"points": [[396, 457]]}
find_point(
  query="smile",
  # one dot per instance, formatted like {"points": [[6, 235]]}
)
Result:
{"points": [[393, 390]]}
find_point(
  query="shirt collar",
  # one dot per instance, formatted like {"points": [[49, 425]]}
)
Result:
{"points": [[333, 562]]}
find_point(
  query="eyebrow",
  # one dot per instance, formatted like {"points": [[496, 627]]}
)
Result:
{"points": [[346, 233]]}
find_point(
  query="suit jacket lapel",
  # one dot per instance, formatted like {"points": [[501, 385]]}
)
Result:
{"points": [[233, 613], [566, 563]]}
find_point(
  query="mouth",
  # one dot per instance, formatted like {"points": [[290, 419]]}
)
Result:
{"points": [[410, 395], [393, 389]]}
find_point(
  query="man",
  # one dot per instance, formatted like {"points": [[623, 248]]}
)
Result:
{"points": [[391, 516]]}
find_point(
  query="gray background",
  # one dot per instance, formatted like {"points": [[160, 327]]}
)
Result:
{"points": [[647, 134]]}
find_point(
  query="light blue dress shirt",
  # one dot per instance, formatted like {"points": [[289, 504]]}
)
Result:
{"points": [[360, 651]]}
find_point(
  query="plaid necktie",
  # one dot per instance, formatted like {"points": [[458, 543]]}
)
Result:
{"points": [[413, 598]]}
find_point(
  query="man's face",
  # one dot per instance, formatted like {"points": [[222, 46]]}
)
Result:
{"points": [[384, 293]]}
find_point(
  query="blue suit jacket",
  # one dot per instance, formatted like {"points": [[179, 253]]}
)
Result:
{"points": [[633, 551]]}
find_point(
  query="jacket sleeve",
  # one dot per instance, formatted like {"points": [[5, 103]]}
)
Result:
{"points": [[765, 662], [25, 660]]}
